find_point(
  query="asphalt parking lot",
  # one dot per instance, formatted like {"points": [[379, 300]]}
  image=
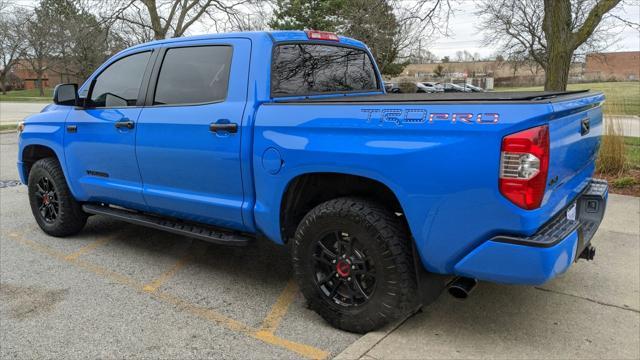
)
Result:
{"points": [[121, 291]]}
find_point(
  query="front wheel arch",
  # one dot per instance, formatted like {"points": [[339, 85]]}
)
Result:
{"points": [[33, 153]]}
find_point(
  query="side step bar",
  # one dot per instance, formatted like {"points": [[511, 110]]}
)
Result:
{"points": [[198, 231]]}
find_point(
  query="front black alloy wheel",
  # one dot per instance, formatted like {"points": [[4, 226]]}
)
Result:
{"points": [[353, 263], [54, 208], [46, 195]]}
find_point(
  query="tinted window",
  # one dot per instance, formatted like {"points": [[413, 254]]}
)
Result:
{"points": [[194, 75], [118, 85], [302, 69]]}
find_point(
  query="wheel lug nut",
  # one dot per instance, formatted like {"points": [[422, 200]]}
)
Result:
{"points": [[337, 275], [349, 279], [333, 261]]}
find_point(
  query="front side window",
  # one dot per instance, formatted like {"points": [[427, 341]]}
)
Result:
{"points": [[193, 75], [307, 69], [119, 84]]}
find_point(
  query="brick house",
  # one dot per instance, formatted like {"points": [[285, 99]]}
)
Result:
{"points": [[613, 66], [27, 78]]}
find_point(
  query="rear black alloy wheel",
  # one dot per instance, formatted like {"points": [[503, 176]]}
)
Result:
{"points": [[343, 271], [353, 263], [54, 208]]}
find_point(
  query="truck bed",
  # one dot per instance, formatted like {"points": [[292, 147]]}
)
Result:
{"points": [[510, 97]]}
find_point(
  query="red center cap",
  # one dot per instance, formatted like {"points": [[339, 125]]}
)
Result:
{"points": [[45, 199], [343, 268]]}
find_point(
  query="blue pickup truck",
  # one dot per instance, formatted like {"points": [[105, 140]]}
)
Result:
{"points": [[384, 199]]}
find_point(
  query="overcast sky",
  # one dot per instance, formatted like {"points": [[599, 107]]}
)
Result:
{"points": [[466, 36]]}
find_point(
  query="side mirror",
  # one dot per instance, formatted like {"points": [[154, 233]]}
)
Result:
{"points": [[66, 94]]}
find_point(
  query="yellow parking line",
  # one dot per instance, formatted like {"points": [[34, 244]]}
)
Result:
{"points": [[304, 350], [279, 310], [155, 284], [89, 247]]}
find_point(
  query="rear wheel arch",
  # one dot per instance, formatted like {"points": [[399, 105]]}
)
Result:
{"points": [[306, 191]]}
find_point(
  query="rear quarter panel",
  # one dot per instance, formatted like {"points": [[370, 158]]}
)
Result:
{"points": [[443, 172]]}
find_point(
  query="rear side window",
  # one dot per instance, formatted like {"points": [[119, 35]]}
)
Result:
{"points": [[119, 84], [193, 75], [307, 69]]}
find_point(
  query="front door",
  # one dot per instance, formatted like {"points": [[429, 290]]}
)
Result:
{"points": [[188, 142], [100, 139]]}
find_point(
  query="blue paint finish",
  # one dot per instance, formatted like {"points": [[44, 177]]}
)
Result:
{"points": [[99, 146], [272, 161], [443, 173], [517, 264], [44, 129], [187, 170]]}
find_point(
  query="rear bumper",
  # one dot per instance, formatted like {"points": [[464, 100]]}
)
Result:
{"points": [[549, 252]]}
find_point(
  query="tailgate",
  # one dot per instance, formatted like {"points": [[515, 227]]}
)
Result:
{"points": [[574, 133]]}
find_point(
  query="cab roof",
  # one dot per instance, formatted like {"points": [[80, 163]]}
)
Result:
{"points": [[275, 36]]}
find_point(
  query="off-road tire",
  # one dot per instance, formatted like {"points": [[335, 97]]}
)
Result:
{"points": [[70, 218], [386, 241]]}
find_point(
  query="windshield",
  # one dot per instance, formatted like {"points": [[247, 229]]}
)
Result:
{"points": [[308, 69]]}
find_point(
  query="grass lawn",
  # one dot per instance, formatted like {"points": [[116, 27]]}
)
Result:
{"points": [[4, 127], [628, 182], [28, 95], [632, 145], [623, 98]]}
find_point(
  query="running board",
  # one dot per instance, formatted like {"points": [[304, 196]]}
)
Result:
{"points": [[198, 231]]}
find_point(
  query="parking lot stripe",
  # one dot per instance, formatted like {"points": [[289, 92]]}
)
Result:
{"points": [[304, 350], [279, 310], [89, 247], [156, 283]]}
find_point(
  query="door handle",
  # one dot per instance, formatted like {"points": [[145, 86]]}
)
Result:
{"points": [[227, 127], [125, 123]]}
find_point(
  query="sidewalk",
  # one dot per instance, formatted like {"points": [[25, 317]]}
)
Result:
{"points": [[13, 112], [630, 125], [592, 311]]}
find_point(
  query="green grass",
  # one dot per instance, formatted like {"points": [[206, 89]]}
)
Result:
{"points": [[27, 95], [632, 149], [4, 127], [623, 98]]}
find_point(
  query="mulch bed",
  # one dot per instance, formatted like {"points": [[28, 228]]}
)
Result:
{"points": [[633, 190]]}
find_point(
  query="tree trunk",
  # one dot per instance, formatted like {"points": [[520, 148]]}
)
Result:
{"points": [[40, 83], [557, 74], [3, 86], [560, 43]]}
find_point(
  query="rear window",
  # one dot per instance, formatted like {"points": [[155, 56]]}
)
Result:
{"points": [[307, 69]]}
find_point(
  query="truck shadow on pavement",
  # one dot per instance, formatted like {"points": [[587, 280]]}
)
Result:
{"points": [[261, 263]]}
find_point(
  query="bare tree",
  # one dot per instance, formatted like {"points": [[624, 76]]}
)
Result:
{"points": [[551, 32], [564, 35], [172, 18], [40, 39], [12, 45]]}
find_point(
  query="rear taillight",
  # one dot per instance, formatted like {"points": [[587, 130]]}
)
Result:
{"points": [[322, 35], [524, 162]]}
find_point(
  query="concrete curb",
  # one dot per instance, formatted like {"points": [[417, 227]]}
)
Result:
{"points": [[361, 346], [7, 131]]}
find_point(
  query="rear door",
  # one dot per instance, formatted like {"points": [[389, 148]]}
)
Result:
{"points": [[100, 139], [188, 141]]}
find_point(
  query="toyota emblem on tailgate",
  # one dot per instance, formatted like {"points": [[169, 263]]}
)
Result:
{"points": [[585, 126]]}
